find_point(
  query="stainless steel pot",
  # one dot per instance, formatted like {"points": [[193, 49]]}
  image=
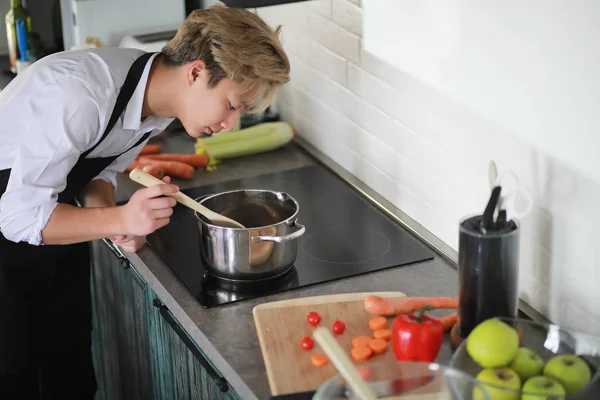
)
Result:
{"points": [[266, 248]]}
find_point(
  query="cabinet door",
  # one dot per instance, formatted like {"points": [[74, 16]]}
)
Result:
{"points": [[140, 350], [186, 371], [119, 327]]}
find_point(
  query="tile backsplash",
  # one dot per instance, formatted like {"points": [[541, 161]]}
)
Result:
{"points": [[429, 156]]}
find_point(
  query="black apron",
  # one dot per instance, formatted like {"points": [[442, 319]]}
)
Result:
{"points": [[45, 299]]}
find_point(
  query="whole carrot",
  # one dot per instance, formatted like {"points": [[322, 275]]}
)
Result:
{"points": [[153, 170], [449, 320], [405, 305], [172, 168], [132, 166], [195, 160], [151, 149]]}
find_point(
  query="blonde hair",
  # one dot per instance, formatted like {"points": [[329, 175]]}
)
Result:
{"points": [[234, 43]]}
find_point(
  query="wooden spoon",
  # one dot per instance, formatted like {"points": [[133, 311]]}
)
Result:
{"points": [[343, 364], [148, 180]]}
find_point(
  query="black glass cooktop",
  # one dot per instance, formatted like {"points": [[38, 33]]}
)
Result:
{"points": [[345, 236]]}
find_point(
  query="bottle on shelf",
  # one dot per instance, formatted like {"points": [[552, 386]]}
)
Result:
{"points": [[15, 12]]}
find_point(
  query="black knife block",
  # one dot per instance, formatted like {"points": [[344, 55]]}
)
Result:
{"points": [[488, 267]]}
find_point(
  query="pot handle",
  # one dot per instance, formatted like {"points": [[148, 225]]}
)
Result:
{"points": [[280, 239]]}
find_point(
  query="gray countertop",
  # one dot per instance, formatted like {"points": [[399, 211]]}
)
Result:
{"points": [[238, 356]]}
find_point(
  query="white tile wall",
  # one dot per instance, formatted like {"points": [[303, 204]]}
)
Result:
{"points": [[428, 155], [347, 15], [337, 39]]}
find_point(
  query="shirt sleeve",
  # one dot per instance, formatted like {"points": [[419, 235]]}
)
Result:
{"points": [[64, 122]]}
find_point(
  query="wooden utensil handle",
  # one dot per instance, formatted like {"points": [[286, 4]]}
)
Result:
{"points": [[343, 364], [144, 178], [148, 180]]}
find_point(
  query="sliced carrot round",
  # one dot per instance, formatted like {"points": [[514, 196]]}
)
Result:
{"points": [[384, 334], [377, 323], [361, 341], [318, 360], [378, 345], [361, 353]]}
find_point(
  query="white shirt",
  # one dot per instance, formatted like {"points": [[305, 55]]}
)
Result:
{"points": [[50, 114]]}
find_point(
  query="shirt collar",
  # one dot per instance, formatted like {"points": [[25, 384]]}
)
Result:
{"points": [[132, 117]]}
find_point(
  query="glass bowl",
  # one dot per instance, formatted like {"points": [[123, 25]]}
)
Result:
{"points": [[548, 341], [406, 380]]}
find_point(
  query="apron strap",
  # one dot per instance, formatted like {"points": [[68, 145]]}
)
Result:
{"points": [[138, 142], [133, 77]]}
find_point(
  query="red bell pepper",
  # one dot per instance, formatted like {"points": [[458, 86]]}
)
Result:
{"points": [[417, 337]]}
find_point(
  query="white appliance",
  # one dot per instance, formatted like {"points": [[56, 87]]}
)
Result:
{"points": [[150, 40], [113, 21]]}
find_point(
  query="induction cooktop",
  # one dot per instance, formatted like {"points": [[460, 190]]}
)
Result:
{"points": [[345, 236]]}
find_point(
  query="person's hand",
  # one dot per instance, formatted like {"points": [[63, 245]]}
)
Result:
{"points": [[129, 243], [148, 209]]}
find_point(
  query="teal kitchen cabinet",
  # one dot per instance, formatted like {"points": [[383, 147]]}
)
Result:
{"points": [[119, 328], [140, 350]]}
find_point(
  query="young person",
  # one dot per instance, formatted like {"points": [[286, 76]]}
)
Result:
{"points": [[69, 123]]}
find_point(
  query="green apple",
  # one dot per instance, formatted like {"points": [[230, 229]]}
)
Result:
{"points": [[527, 364], [570, 370], [500, 383], [493, 343], [542, 387]]}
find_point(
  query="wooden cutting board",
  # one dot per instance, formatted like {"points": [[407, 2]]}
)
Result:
{"points": [[281, 325]]}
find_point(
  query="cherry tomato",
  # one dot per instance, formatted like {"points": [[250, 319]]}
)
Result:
{"points": [[338, 327], [313, 318], [307, 343]]}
